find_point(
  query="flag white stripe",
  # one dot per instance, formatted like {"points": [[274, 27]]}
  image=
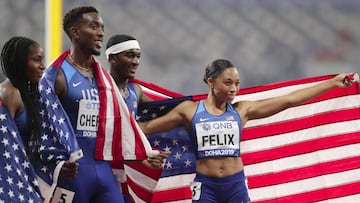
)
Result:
{"points": [[295, 137], [303, 160], [140, 179], [135, 197], [273, 92], [350, 198], [152, 92], [167, 183], [305, 185], [107, 152], [351, 101]]}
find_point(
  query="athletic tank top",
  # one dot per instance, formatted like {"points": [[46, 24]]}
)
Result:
{"points": [[216, 136], [22, 125], [81, 101], [132, 99]]}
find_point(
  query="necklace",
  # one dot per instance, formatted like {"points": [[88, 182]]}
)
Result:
{"points": [[124, 92], [72, 60], [87, 72]]}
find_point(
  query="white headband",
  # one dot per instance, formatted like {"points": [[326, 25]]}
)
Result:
{"points": [[120, 47]]}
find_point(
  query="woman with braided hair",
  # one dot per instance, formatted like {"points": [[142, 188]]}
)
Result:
{"points": [[22, 62]]}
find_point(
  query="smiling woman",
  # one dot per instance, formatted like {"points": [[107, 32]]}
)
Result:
{"points": [[19, 91], [215, 125], [22, 61]]}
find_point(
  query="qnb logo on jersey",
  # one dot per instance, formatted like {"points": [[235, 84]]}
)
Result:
{"points": [[208, 126]]}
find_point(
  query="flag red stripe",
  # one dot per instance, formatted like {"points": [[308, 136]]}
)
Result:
{"points": [[116, 143], [318, 195], [100, 140], [301, 148], [140, 151], [138, 166], [272, 86], [299, 124], [304, 172], [141, 192], [172, 195], [334, 93], [157, 88]]}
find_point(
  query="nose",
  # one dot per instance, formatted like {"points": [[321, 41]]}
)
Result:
{"points": [[234, 88], [135, 61], [101, 32], [42, 65]]}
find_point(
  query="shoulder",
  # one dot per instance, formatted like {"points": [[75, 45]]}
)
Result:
{"points": [[11, 98], [60, 83], [8, 91], [136, 87], [188, 106]]}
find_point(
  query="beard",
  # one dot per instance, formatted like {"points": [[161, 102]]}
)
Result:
{"points": [[96, 52]]}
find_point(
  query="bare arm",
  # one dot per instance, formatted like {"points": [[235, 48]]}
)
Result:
{"points": [[180, 115], [260, 109], [60, 84], [11, 98]]}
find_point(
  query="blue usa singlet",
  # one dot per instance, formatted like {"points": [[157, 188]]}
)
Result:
{"points": [[95, 181], [216, 136], [132, 99]]}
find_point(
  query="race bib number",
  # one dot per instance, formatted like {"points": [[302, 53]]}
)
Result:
{"points": [[62, 195], [218, 138], [196, 190], [88, 115]]}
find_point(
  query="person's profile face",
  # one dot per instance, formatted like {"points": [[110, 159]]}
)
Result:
{"points": [[35, 63]]}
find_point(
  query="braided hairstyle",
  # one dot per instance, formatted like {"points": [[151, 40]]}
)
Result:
{"points": [[14, 60]]}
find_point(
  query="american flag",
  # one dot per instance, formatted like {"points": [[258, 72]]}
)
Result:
{"points": [[58, 141], [308, 153], [18, 182]]}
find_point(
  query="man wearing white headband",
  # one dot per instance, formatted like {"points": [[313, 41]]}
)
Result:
{"points": [[123, 54]]}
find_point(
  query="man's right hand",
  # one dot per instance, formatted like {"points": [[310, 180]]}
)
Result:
{"points": [[69, 170]]}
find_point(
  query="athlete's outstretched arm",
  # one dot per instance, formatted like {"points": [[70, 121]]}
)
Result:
{"points": [[180, 115], [268, 107]]}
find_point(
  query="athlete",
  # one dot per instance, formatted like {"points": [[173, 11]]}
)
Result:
{"points": [[87, 179], [22, 61], [215, 126], [123, 53]]}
